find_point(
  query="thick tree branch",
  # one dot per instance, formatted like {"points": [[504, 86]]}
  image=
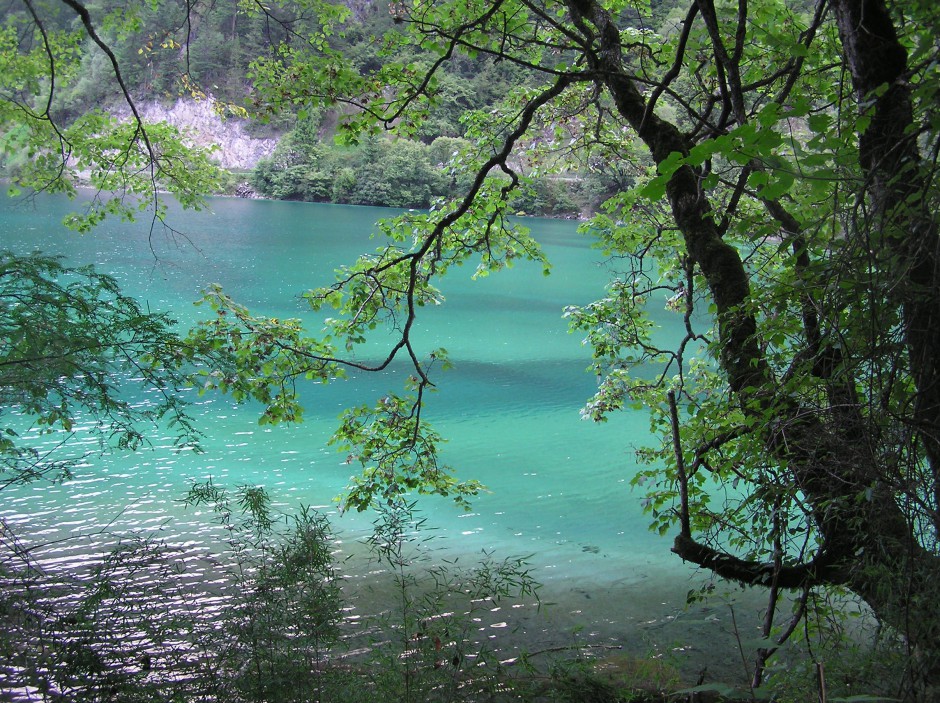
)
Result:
{"points": [[676, 67], [751, 573], [684, 522], [729, 73], [718, 260]]}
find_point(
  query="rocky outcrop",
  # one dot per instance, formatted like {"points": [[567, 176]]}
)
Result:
{"points": [[244, 190], [203, 124]]}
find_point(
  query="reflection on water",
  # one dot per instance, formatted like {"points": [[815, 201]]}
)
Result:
{"points": [[558, 487]]}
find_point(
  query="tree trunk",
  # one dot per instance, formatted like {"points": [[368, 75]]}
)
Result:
{"points": [[898, 188], [868, 542]]}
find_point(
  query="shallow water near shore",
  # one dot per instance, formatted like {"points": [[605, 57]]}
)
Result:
{"points": [[557, 486]]}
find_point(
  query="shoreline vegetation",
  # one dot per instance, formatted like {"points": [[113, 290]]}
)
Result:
{"points": [[399, 173], [559, 206], [305, 163], [377, 616]]}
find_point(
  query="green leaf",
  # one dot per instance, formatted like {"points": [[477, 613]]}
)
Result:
{"points": [[655, 189], [819, 122]]}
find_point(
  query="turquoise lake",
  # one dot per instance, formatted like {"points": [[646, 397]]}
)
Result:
{"points": [[557, 486]]}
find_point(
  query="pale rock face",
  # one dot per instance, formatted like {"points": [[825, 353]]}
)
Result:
{"points": [[202, 124]]}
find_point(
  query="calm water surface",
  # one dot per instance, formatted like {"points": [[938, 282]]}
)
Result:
{"points": [[558, 486]]}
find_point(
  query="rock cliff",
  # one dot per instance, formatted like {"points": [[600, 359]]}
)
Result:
{"points": [[201, 122]]}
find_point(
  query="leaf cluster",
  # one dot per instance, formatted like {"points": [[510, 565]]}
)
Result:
{"points": [[73, 349]]}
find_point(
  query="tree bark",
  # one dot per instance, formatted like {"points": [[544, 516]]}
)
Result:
{"points": [[897, 186]]}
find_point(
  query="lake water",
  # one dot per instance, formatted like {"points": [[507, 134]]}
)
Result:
{"points": [[558, 486]]}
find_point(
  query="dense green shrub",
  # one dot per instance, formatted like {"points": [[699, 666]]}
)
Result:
{"points": [[379, 172], [400, 174]]}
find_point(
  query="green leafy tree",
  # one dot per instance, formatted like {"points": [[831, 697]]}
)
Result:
{"points": [[395, 174], [785, 207]]}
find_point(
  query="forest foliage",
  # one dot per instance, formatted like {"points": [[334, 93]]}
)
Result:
{"points": [[210, 52]]}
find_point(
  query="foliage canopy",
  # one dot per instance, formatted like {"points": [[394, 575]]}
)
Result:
{"points": [[789, 210]]}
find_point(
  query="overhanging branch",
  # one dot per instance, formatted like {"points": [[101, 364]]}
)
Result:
{"points": [[752, 573]]}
